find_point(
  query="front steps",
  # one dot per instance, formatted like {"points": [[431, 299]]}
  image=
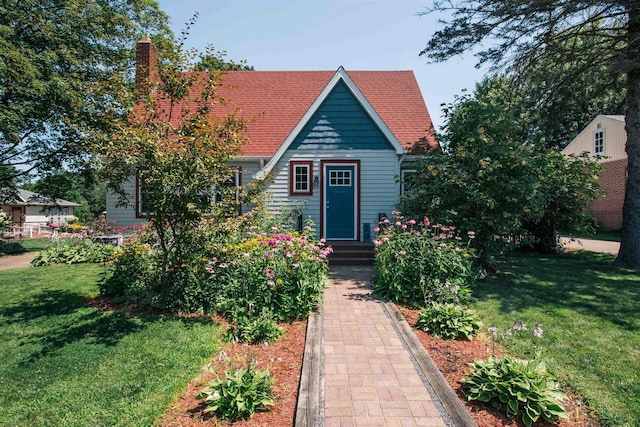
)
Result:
{"points": [[351, 253]]}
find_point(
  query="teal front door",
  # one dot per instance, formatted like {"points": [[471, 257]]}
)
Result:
{"points": [[340, 202]]}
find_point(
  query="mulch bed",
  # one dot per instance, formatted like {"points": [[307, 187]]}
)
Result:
{"points": [[452, 359], [284, 360]]}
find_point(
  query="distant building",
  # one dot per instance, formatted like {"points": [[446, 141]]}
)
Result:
{"points": [[606, 136], [32, 209]]}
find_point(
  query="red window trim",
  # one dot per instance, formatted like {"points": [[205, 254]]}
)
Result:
{"points": [[292, 178]]}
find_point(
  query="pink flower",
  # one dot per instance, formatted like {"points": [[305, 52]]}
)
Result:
{"points": [[295, 265], [269, 272], [404, 226], [426, 221], [398, 223], [412, 222], [376, 229], [213, 260], [246, 254], [223, 265]]}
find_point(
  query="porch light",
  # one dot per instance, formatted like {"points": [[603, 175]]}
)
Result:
{"points": [[316, 181]]}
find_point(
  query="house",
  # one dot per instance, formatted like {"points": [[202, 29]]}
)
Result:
{"points": [[606, 136], [334, 141], [31, 209]]}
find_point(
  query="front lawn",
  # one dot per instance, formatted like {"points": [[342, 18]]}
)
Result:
{"points": [[590, 315], [65, 362]]}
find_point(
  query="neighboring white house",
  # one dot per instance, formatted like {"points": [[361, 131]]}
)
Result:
{"points": [[334, 140], [32, 210], [606, 136]]}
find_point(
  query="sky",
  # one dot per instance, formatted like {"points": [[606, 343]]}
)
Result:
{"points": [[297, 35]]}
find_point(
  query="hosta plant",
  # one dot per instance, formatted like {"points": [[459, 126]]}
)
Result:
{"points": [[242, 392], [74, 252], [257, 329], [517, 387], [448, 321]]}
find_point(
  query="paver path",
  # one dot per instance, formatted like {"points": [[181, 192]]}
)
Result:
{"points": [[369, 377]]}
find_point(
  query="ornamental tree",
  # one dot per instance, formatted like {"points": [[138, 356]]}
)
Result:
{"points": [[178, 151]]}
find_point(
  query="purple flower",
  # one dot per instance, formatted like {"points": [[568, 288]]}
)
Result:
{"points": [[537, 331]]}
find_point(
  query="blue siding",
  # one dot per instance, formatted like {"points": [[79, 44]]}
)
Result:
{"points": [[341, 123]]}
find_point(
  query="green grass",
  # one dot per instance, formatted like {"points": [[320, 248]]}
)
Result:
{"points": [[590, 314], [609, 236], [66, 363], [36, 245]]}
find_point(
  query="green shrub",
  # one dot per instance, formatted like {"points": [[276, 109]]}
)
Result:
{"points": [[257, 329], [133, 274], [418, 264], [10, 248], [517, 387], [74, 252], [282, 273], [241, 393], [448, 321]]}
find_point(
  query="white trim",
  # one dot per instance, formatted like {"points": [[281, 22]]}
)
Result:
{"points": [[340, 74]]}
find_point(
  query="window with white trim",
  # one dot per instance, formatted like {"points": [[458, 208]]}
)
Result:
{"points": [[300, 178], [598, 140]]}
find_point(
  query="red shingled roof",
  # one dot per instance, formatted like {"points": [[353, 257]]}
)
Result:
{"points": [[278, 100]]}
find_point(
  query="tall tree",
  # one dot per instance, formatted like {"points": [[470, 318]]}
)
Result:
{"points": [[519, 33], [65, 76], [487, 181]]}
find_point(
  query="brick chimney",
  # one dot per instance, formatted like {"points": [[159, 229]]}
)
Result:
{"points": [[146, 67]]}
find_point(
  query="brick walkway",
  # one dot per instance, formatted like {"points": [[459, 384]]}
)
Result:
{"points": [[369, 377]]}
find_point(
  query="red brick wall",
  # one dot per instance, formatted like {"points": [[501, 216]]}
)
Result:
{"points": [[146, 62], [607, 210]]}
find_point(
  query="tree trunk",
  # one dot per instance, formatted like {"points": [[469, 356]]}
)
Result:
{"points": [[629, 254]]}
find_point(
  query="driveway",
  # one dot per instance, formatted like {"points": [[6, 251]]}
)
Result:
{"points": [[16, 261], [591, 245]]}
